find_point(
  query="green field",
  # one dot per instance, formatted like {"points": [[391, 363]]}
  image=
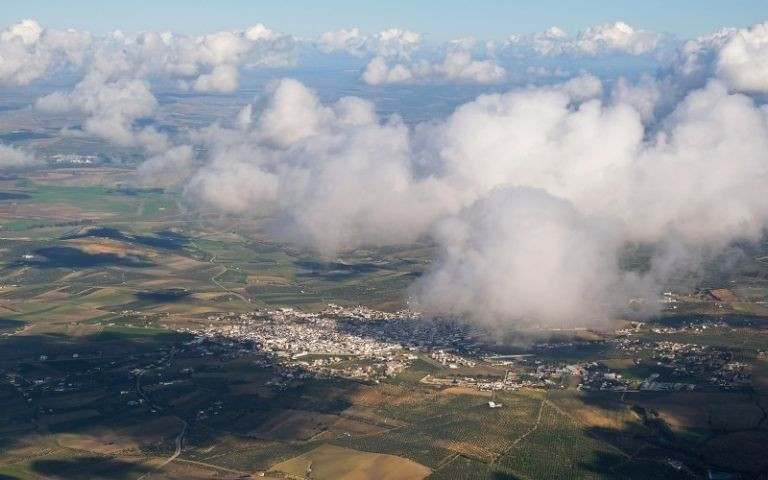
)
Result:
{"points": [[99, 380]]}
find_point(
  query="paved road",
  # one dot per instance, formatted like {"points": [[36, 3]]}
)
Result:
{"points": [[179, 446], [176, 453], [223, 269]]}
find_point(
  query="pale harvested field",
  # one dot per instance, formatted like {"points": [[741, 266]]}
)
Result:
{"points": [[181, 263], [189, 471], [160, 282], [592, 415], [467, 449], [295, 425], [184, 309], [346, 425], [71, 313], [54, 294], [84, 330], [80, 177], [5, 310], [48, 211], [383, 394], [267, 280], [207, 296], [466, 391], [107, 440], [105, 297], [31, 445], [97, 440], [329, 462], [105, 245], [369, 414], [704, 410]]}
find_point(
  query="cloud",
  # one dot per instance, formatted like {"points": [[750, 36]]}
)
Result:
{"points": [[396, 42], [742, 60], [690, 189], [581, 88], [739, 57], [519, 254], [377, 72], [111, 108], [556, 32], [115, 92], [600, 40], [214, 62], [617, 36], [700, 173], [455, 67], [206, 62], [12, 158], [400, 47], [598, 157], [302, 162], [550, 42], [293, 113], [223, 78], [28, 52], [28, 31], [529, 194], [390, 43], [176, 162], [344, 40], [644, 95]]}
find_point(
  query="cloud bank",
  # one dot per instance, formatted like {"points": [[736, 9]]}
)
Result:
{"points": [[611, 38], [739, 57], [28, 52], [531, 194], [111, 108], [392, 42], [455, 67]]}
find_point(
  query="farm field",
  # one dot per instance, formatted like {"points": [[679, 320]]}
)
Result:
{"points": [[102, 375], [330, 462], [305, 240]]}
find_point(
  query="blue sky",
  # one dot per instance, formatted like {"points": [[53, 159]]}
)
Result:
{"points": [[438, 19]]}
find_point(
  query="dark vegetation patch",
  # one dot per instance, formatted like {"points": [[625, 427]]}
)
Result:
{"points": [[13, 196], [167, 295], [74, 258], [21, 135], [89, 467], [164, 239], [134, 191], [7, 324]]}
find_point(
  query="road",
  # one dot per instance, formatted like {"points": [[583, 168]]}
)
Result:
{"points": [[176, 452], [143, 395], [212, 260], [179, 446]]}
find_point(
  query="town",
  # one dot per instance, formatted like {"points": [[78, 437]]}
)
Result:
{"points": [[366, 344]]}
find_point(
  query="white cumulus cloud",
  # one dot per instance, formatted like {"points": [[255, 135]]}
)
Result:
{"points": [[111, 108], [28, 51], [13, 158], [455, 67], [525, 192]]}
